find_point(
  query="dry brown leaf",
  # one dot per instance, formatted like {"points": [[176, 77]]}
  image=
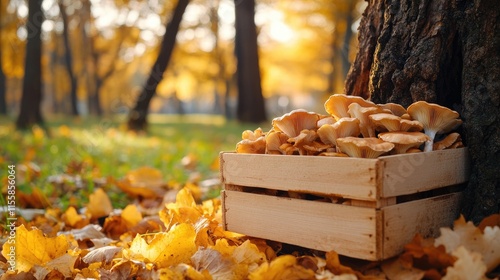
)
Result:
{"points": [[86, 233], [103, 254], [395, 270]]}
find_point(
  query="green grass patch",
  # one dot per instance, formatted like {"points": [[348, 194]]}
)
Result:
{"points": [[102, 148]]}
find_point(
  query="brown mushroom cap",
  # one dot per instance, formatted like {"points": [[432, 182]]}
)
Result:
{"points": [[295, 121], [385, 122], [337, 105], [362, 114], [342, 128], [436, 119], [247, 146], [447, 142], [252, 135], [396, 109], [274, 139], [363, 147], [409, 125], [404, 140]]}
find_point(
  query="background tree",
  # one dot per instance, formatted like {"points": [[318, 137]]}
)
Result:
{"points": [[69, 60], [447, 52], [251, 107], [138, 115], [31, 99], [3, 87]]}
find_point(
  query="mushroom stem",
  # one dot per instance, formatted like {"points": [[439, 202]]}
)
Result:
{"points": [[429, 143]]}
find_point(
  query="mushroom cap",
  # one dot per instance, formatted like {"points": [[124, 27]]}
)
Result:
{"points": [[410, 125], [433, 117], [325, 120], [342, 128], [337, 104], [396, 109], [363, 147], [447, 142], [295, 121], [247, 146], [404, 140], [362, 114], [385, 122], [274, 139], [252, 135]]}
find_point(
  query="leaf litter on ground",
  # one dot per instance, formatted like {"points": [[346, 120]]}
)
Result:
{"points": [[170, 230]]}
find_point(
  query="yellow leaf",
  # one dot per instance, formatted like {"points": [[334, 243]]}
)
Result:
{"points": [[99, 204], [131, 215], [33, 248], [166, 248], [283, 267], [71, 217]]}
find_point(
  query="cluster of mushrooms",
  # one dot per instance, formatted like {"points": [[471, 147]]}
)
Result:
{"points": [[356, 127]]}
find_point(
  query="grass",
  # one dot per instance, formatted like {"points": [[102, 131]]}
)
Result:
{"points": [[102, 148]]}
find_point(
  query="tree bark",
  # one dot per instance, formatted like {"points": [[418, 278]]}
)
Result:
{"points": [[251, 107], [138, 116], [446, 52], [31, 99], [69, 61]]}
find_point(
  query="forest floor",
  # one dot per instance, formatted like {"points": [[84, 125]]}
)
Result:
{"points": [[96, 201]]}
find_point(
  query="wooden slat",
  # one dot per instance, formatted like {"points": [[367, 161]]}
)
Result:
{"points": [[412, 173], [322, 226], [347, 177], [402, 221]]}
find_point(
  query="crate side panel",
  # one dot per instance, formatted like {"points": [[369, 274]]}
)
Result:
{"points": [[348, 230], [346, 177], [412, 173], [426, 216]]}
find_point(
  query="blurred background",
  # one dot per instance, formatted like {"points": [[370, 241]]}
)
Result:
{"points": [[97, 54]]}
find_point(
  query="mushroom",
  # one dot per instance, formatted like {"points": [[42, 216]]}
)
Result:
{"points": [[252, 135], [447, 142], [364, 147], [344, 127], [295, 121], [436, 119], [395, 109], [247, 146], [325, 120], [337, 105], [333, 154], [385, 122], [274, 139], [388, 122], [362, 114], [403, 141]]}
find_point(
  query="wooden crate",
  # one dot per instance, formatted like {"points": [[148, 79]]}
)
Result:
{"points": [[379, 204]]}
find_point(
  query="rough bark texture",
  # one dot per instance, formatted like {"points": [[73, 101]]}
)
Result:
{"points": [[441, 51], [31, 99], [251, 107], [138, 116]]}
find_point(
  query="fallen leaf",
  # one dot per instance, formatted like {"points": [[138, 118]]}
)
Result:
{"points": [[99, 204], [165, 248], [395, 270], [469, 265], [33, 248], [144, 182], [474, 240], [103, 254], [131, 215], [283, 267], [88, 232]]}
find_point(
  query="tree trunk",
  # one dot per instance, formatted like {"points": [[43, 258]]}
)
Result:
{"points": [[31, 99], [69, 61], [251, 107], [138, 116], [446, 52]]}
